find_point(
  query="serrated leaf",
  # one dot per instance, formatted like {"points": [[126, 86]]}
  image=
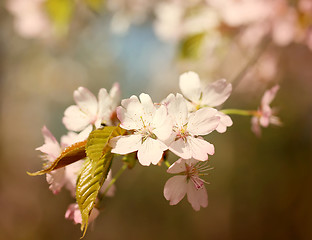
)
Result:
{"points": [[95, 170], [70, 155], [98, 141], [89, 183], [190, 46]]}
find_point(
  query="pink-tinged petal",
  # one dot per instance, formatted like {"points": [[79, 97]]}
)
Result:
{"points": [[269, 95], [175, 189], [200, 148], [264, 121], [114, 93], [255, 126], [178, 111], [86, 101], [203, 121], [50, 147], [189, 83], [73, 137], [151, 151], [125, 102], [225, 121], [216, 93], [168, 99], [71, 175], [197, 197], [180, 148], [125, 144], [162, 123], [74, 119], [177, 167], [275, 121], [56, 179], [148, 107], [73, 213], [131, 116], [104, 107]]}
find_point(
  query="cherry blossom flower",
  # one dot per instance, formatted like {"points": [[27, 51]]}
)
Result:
{"points": [[265, 114], [89, 111], [150, 126], [187, 127], [73, 213], [187, 181], [209, 95], [51, 149]]}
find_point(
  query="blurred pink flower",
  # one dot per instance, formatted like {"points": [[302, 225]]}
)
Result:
{"points": [[206, 95], [187, 181], [51, 149], [30, 20], [73, 213], [150, 125], [265, 114], [89, 111], [185, 141]]}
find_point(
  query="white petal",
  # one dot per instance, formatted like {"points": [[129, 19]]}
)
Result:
{"points": [[200, 148], [203, 121], [216, 93], [178, 111], [197, 197], [50, 147], [162, 123], [131, 115], [151, 151], [190, 86], [74, 119], [86, 101], [114, 93], [125, 144], [177, 167], [148, 107], [181, 149], [104, 107], [225, 121], [56, 179], [175, 189]]}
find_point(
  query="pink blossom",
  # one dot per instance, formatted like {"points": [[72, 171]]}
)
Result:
{"points": [[73, 213], [187, 181], [89, 111], [265, 114], [149, 127], [51, 149], [202, 95], [187, 127]]}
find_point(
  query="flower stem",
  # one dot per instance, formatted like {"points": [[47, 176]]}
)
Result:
{"points": [[121, 170], [240, 112]]}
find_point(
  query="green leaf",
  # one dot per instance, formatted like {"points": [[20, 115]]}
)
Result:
{"points": [[60, 13], [190, 46], [70, 155], [95, 170]]}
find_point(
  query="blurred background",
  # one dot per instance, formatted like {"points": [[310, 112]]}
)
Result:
{"points": [[260, 188]]}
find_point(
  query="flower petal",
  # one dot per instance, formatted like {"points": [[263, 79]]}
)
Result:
{"points": [[175, 189], [203, 121], [180, 148], [197, 197], [148, 107], [216, 93], [269, 95], [51, 146], [177, 167], [56, 179], [74, 119], [200, 148], [151, 151], [189, 83], [255, 126], [225, 121], [177, 109], [125, 144], [162, 123], [86, 101]]}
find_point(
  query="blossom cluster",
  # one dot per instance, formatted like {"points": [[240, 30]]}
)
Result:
{"points": [[177, 124]]}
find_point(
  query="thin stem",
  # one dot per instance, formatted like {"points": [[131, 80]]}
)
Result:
{"points": [[240, 112], [121, 170]]}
